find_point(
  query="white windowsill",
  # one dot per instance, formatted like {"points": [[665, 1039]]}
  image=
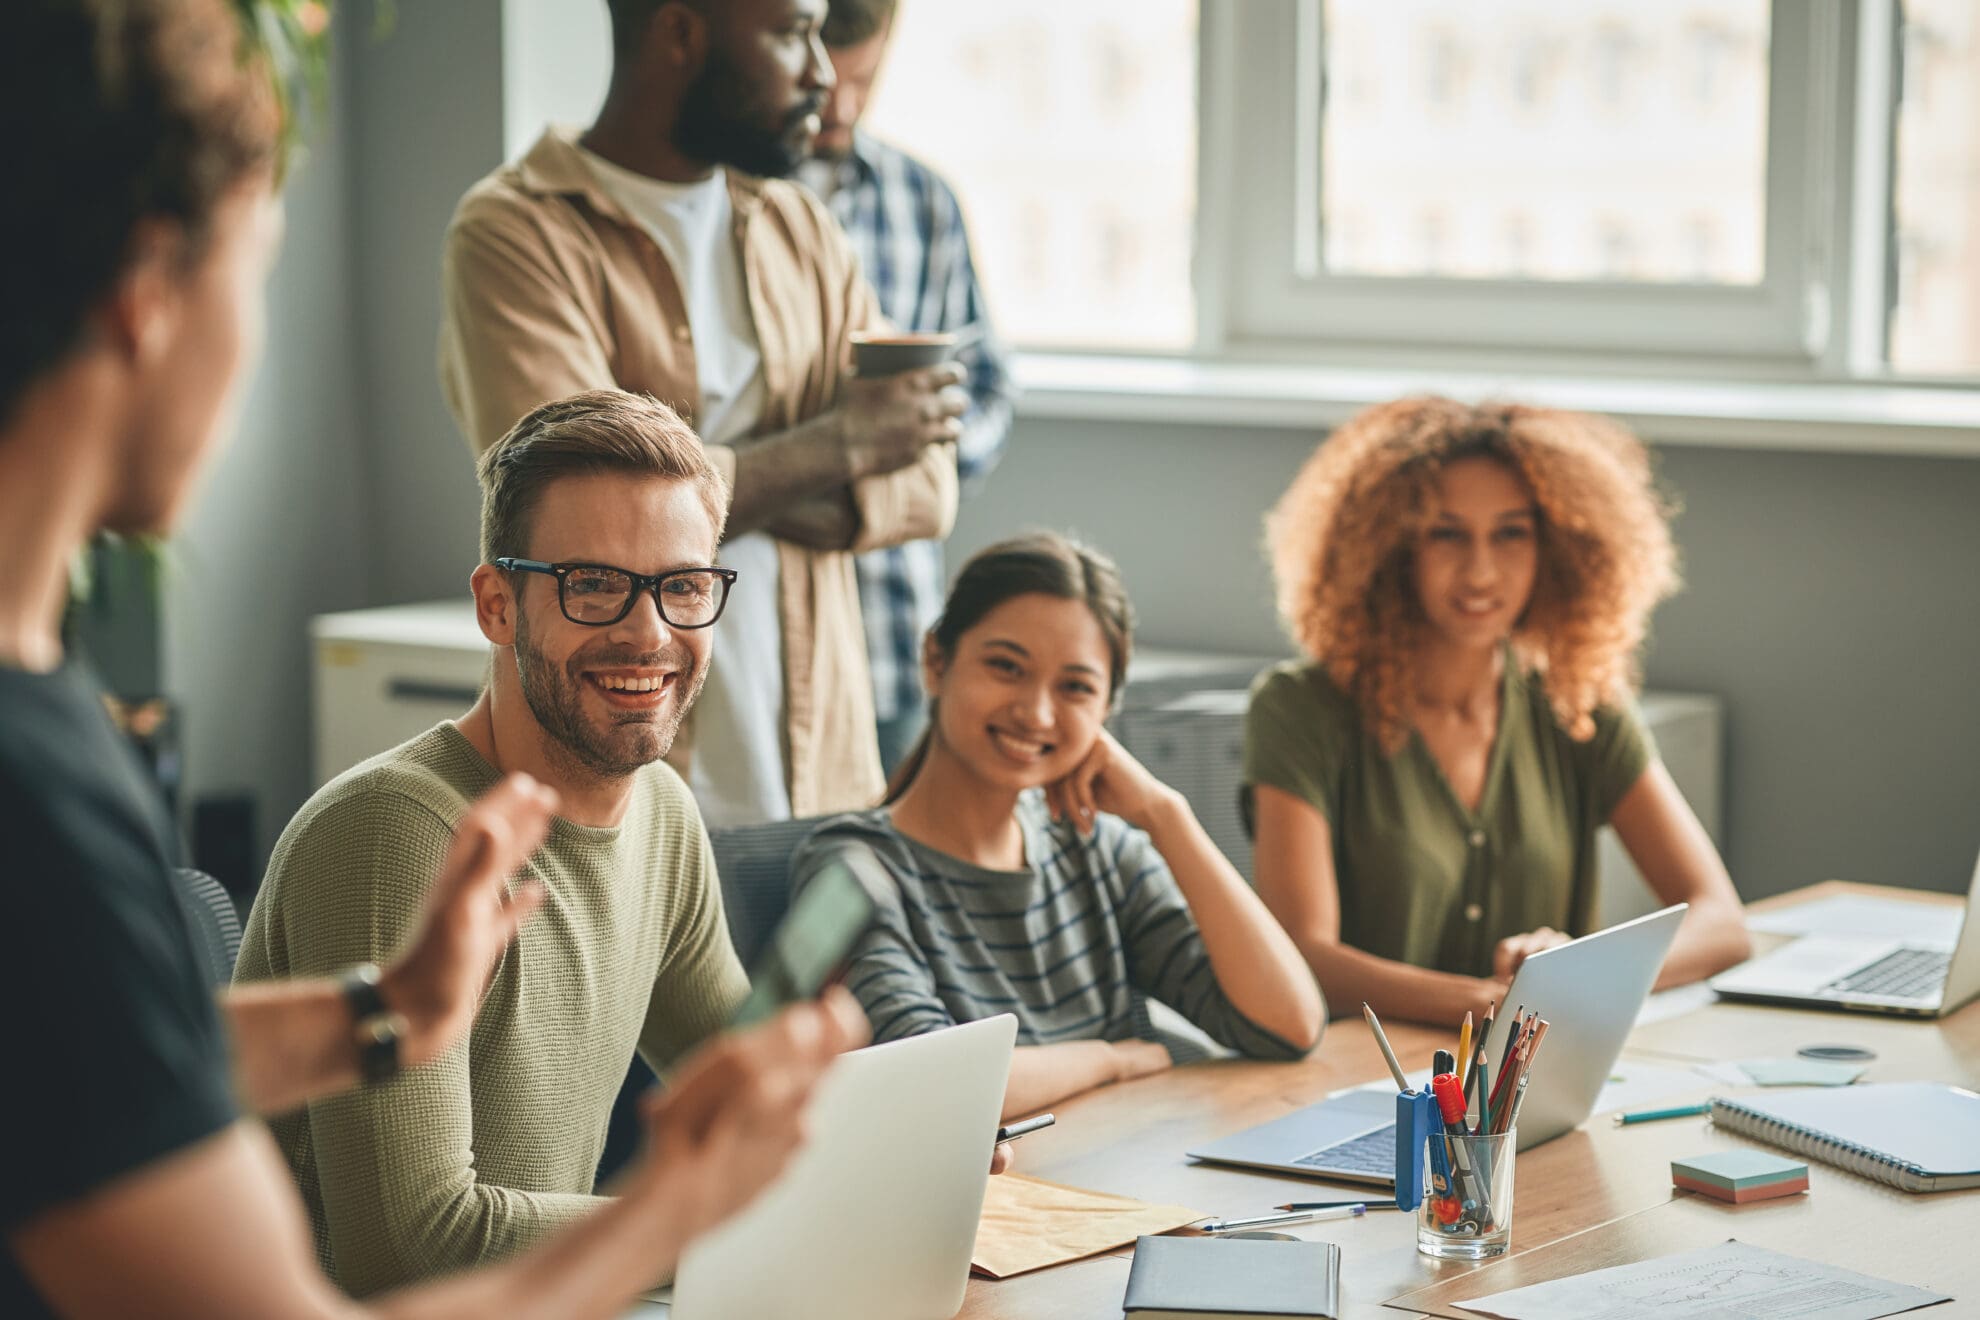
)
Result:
{"points": [[1845, 418]]}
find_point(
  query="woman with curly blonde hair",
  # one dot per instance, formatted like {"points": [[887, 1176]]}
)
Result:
{"points": [[1470, 586]]}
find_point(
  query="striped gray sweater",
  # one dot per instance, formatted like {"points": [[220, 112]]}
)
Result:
{"points": [[1073, 945]]}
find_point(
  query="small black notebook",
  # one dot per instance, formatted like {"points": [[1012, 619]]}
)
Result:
{"points": [[1205, 1278]]}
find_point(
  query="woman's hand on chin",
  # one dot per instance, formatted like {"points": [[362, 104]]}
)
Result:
{"points": [[1109, 779]]}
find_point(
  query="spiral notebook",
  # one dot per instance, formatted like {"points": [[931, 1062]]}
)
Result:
{"points": [[1919, 1136]]}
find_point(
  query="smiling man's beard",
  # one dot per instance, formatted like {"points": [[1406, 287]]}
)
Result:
{"points": [[556, 698], [719, 122]]}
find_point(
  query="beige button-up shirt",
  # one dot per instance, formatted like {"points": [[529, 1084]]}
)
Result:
{"points": [[549, 288]]}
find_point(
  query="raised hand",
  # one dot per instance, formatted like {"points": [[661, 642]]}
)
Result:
{"points": [[727, 1123], [471, 915], [1108, 779]]}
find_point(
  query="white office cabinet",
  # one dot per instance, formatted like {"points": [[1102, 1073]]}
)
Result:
{"points": [[1195, 745], [382, 676]]}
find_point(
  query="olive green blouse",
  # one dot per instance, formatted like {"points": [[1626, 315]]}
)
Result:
{"points": [[1423, 880]]}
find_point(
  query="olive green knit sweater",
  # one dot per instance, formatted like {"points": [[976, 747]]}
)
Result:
{"points": [[486, 1149]]}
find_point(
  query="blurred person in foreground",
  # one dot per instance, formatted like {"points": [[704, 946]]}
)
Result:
{"points": [[663, 251], [1471, 586], [138, 226], [906, 226]]}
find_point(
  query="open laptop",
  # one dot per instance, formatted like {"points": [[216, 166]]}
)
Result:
{"points": [[1589, 990], [1911, 978], [876, 1217]]}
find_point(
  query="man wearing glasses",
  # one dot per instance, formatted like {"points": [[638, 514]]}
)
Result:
{"points": [[597, 589]]}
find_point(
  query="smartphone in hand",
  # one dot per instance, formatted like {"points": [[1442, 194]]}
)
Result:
{"points": [[812, 944]]}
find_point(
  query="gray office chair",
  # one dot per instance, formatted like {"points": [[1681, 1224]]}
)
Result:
{"points": [[754, 862], [211, 920]]}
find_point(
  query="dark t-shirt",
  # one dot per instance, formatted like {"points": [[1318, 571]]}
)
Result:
{"points": [[113, 1048]]}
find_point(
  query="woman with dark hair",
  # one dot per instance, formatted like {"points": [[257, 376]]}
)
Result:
{"points": [[1038, 868], [1471, 586], [136, 231]]}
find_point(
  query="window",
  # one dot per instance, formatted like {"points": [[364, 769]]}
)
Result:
{"points": [[1571, 175], [1935, 328], [1554, 124], [1069, 132], [1723, 186]]}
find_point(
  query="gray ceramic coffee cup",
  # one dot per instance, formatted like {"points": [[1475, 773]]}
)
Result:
{"points": [[888, 354]]}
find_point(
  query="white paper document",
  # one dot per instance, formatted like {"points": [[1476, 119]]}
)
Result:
{"points": [[1851, 916], [1667, 1004], [1712, 1283], [1633, 1084]]}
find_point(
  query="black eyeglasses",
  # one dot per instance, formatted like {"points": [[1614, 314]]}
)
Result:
{"points": [[598, 594]]}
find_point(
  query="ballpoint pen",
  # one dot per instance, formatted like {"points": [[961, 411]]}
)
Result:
{"points": [[1278, 1221], [1652, 1115], [1374, 1025], [1334, 1205]]}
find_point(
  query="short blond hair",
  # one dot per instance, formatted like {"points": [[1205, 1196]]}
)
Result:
{"points": [[593, 432]]}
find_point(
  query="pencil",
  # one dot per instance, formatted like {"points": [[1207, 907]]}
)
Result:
{"points": [[1382, 1039], [1464, 1044], [1484, 1034]]}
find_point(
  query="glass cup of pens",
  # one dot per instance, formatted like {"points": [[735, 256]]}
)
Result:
{"points": [[1473, 1138], [1470, 1218]]}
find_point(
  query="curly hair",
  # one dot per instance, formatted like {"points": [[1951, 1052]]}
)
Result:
{"points": [[1342, 543]]}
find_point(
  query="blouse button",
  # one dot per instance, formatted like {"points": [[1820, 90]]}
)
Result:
{"points": [[1477, 839], [1473, 912], [683, 332]]}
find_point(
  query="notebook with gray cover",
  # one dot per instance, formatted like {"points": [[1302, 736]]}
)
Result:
{"points": [[1211, 1278], [1918, 1136], [1910, 978], [1589, 990]]}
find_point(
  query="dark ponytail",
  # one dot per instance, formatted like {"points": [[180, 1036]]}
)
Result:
{"points": [[1034, 563]]}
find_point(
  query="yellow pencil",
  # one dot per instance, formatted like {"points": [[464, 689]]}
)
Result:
{"points": [[1464, 1043]]}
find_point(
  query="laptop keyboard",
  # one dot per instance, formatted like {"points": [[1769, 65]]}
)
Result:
{"points": [[1904, 974], [1372, 1153]]}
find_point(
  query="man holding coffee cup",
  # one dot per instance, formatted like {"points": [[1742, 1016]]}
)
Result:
{"points": [[660, 252], [905, 223]]}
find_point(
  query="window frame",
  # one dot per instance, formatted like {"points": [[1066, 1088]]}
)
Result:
{"points": [[1818, 311]]}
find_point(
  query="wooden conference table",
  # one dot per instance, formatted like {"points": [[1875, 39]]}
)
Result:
{"points": [[1602, 1193]]}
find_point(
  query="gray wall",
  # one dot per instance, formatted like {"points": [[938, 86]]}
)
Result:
{"points": [[426, 122], [1830, 602], [279, 531]]}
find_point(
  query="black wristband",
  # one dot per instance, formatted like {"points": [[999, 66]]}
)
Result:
{"points": [[376, 1027]]}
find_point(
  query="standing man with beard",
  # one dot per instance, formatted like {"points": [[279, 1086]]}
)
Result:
{"points": [[597, 588], [660, 252]]}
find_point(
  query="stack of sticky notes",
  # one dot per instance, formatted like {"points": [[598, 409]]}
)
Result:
{"points": [[1740, 1175]]}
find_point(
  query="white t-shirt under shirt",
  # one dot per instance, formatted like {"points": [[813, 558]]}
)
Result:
{"points": [[737, 770]]}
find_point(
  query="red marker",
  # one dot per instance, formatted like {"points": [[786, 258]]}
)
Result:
{"points": [[1450, 1100]]}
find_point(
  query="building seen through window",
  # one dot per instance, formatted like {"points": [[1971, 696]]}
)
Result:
{"points": [[1554, 141]]}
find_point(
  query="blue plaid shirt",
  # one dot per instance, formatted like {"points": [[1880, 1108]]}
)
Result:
{"points": [[908, 232]]}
